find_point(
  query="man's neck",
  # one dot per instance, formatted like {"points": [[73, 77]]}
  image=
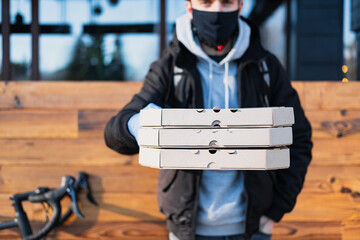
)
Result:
{"points": [[212, 52]]}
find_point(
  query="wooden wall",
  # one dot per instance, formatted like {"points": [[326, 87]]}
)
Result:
{"points": [[50, 129]]}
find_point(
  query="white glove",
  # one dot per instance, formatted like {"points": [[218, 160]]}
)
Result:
{"points": [[134, 122], [266, 225]]}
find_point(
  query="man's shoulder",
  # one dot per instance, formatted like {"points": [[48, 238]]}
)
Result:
{"points": [[273, 61], [167, 57]]}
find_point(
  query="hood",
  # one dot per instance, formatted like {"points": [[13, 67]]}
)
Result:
{"points": [[216, 92]]}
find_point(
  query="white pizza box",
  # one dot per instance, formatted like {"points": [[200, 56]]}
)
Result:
{"points": [[215, 137], [205, 118], [217, 159]]}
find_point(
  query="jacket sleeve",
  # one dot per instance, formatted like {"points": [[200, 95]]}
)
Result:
{"points": [[154, 89], [289, 182]]}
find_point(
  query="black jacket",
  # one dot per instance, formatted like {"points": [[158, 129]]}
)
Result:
{"points": [[271, 193]]}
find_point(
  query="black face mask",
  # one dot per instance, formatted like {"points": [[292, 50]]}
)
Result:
{"points": [[215, 28]]}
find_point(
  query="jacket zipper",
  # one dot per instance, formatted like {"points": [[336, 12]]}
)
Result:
{"points": [[240, 69]]}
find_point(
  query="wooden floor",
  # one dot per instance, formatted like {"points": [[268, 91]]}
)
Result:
{"points": [[50, 129]]}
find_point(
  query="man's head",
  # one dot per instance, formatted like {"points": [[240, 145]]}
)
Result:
{"points": [[213, 6], [214, 22]]}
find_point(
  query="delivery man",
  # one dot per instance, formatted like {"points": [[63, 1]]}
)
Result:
{"points": [[216, 60]]}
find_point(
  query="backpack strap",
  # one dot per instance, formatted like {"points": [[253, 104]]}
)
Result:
{"points": [[175, 77], [264, 70], [177, 74]]}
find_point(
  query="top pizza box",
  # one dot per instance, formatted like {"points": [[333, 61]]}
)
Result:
{"points": [[207, 118]]}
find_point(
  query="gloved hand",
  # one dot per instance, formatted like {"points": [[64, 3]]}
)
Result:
{"points": [[134, 122], [266, 225]]}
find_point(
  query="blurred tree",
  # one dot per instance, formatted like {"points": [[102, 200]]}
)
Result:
{"points": [[19, 71], [115, 70], [87, 62]]}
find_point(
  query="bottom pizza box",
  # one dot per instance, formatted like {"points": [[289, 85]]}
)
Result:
{"points": [[226, 159]]}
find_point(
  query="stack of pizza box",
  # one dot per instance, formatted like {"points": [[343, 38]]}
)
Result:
{"points": [[236, 139]]}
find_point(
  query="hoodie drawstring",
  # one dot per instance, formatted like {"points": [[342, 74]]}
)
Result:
{"points": [[226, 83], [211, 83]]}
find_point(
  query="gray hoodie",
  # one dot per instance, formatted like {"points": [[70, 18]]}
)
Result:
{"points": [[222, 197]]}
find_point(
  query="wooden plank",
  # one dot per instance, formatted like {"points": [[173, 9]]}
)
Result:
{"points": [[309, 229], [351, 227], [61, 152], [92, 122], [325, 124], [122, 207], [143, 207], [113, 95], [134, 207], [323, 207], [351, 231], [333, 179], [38, 124], [85, 152], [117, 207], [119, 230], [331, 95], [334, 123], [157, 231], [340, 152], [124, 179], [67, 95], [98, 230], [135, 178]]}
